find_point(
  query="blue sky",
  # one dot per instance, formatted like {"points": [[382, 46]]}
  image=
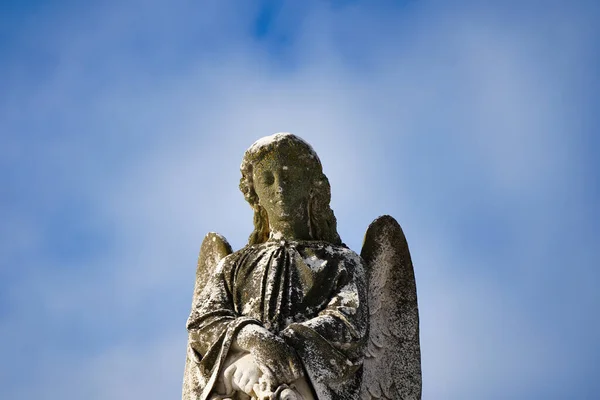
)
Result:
{"points": [[123, 123]]}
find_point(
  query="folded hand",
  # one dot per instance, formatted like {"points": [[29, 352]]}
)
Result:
{"points": [[278, 362]]}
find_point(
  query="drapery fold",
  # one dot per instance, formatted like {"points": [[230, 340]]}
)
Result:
{"points": [[312, 294]]}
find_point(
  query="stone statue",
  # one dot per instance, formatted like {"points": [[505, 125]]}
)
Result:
{"points": [[295, 314]]}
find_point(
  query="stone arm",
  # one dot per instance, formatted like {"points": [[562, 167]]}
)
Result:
{"points": [[212, 328], [331, 344], [213, 316], [215, 335]]}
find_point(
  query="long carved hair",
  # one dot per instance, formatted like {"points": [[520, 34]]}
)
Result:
{"points": [[322, 223]]}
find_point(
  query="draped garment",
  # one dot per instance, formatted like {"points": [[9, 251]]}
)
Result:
{"points": [[311, 293]]}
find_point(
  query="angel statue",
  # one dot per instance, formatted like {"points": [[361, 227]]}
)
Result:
{"points": [[295, 314]]}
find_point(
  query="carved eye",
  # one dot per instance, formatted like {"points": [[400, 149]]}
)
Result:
{"points": [[268, 178]]}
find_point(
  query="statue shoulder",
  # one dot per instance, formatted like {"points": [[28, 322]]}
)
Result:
{"points": [[347, 255], [247, 252]]}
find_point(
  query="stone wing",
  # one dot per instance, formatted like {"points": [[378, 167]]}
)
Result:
{"points": [[214, 248], [392, 367]]}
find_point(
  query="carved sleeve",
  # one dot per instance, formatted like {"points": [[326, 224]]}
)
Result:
{"points": [[214, 315], [332, 343]]}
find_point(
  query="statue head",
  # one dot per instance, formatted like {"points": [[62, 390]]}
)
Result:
{"points": [[283, 180]]}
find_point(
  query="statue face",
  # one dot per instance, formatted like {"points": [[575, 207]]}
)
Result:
{"points": [[283, 182]]}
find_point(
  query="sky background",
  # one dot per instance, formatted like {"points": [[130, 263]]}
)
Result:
{"points": [[474, 123]]}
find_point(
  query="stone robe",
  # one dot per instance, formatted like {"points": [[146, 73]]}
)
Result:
{"points": [[311, 293]]}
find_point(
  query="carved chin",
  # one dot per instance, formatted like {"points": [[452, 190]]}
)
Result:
{"points": [[287, 213]]}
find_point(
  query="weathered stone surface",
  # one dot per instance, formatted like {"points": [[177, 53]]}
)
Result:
{"points": [[287, 316], [214, 248], [393, 356]]}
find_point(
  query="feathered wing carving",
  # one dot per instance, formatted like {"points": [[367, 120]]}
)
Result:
{"points": [[214, 248], [392, 367]]}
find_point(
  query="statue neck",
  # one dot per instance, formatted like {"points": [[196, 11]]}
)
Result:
{"points": [[290, 230]]}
